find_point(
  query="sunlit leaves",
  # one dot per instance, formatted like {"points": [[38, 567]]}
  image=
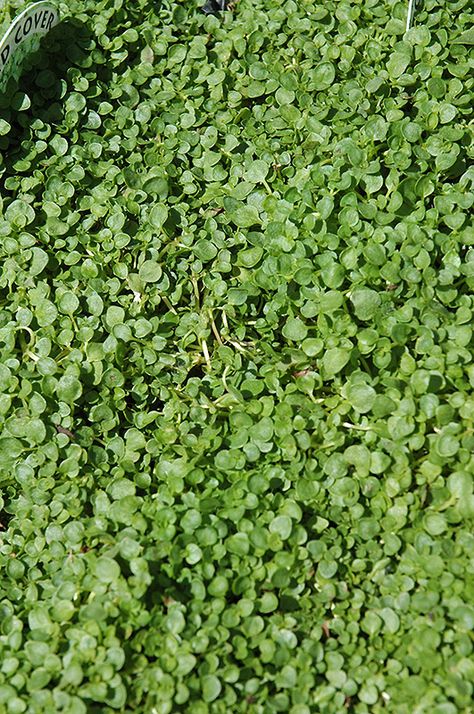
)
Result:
{"points": [[150, 271], [334, 360], [323, 76], [244, 216], [295, 330], [69, 388], [365, 302], [235, 367], [257, 171], [211, 688]]}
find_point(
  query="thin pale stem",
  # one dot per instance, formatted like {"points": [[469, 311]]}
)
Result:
{"points": [[215, 330], [205, 352], [411, 7]]}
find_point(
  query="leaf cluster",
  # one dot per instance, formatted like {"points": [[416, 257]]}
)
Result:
{"points": [[236, 440]]}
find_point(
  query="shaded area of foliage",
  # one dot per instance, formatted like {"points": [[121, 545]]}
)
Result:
{"points": [[236, 362]]}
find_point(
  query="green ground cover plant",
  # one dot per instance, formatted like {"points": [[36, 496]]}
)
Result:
{"points": [[236, 373], [9, 9]]}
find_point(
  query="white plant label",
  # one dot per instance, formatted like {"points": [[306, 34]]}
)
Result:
{"points": [[23, 36]]}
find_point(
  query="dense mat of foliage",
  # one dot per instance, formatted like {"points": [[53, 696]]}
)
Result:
{"points": [[236, 362]]}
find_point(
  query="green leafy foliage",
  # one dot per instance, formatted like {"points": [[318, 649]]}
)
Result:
{"points": [[236, 374]]}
